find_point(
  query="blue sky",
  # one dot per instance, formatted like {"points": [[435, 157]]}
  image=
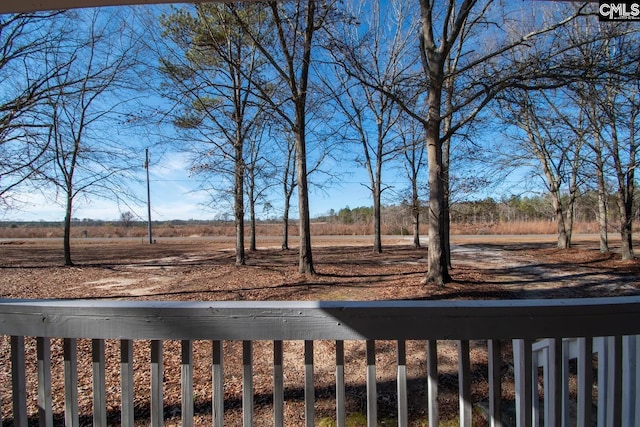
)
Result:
{"points": [[175, 195]]}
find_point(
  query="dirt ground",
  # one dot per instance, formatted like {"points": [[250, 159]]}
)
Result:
{"points": [[508, 267], [484, 267]]}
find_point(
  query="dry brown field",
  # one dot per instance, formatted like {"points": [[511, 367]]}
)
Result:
{"points": [[186, 229]]}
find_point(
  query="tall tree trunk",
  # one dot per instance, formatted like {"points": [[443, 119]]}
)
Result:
{"points": [[625, 197], [563, 238], [603, 223], [573, 195], [627, 226], [300, 100], [570, 219], [377, 196], [415, 212], [602, 197], [252, 217], [374, 185], [67, 229], [288, 186], [626, 234], [449, 91], [438, 272], [377, 220], [305, 256], [377, 193], [238, 205], [446, 220], [625, 193], [285, 222]]}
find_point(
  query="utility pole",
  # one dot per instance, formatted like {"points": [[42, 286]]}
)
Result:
{"points": [[146, 166]]}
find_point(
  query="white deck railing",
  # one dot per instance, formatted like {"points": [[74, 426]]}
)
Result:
{"points": [[526, 321], [614, 358]]}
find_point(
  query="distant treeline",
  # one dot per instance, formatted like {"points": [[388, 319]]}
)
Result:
{"points": [[488, 210], [485, 211]]}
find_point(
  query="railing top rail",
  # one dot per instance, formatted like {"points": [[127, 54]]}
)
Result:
{"points": [[110, 303], [312, 320]]}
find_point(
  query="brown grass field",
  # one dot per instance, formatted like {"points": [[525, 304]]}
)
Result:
{"points": [[201, 268], [139, 229]]}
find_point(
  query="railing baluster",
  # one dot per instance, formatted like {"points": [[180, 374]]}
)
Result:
{"points": [[99, 383], [372, 394], [218, 384], [45, 409], [631, 381], [547, 391], [126, 379], [569, 351], [432, 382], [539, 358], [519, 380], [186, 383], [403, 410], [71, 416], [523, 367], [528, 382], [495, 383], [18, 381], [278, 385], [585, 381], [157, 376], [464, 383], [616, 390], [635, 396], [247, 383], [341, 413], [309, 388], [604, 347], [555, 381]]}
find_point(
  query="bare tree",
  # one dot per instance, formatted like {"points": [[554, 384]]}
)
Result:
{"points": [[289, 56], [608, 97], [413, 150], [463, 75], [212, 66], [286, 179], [585, 95], [284, 165], [25, 42], [591, 111], [127, 218], [86, 157], [259, 177], [621, 108], [553, 135], [382, 56]]}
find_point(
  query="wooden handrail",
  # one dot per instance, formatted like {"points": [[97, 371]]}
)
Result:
{"points": [[322, 320]]}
